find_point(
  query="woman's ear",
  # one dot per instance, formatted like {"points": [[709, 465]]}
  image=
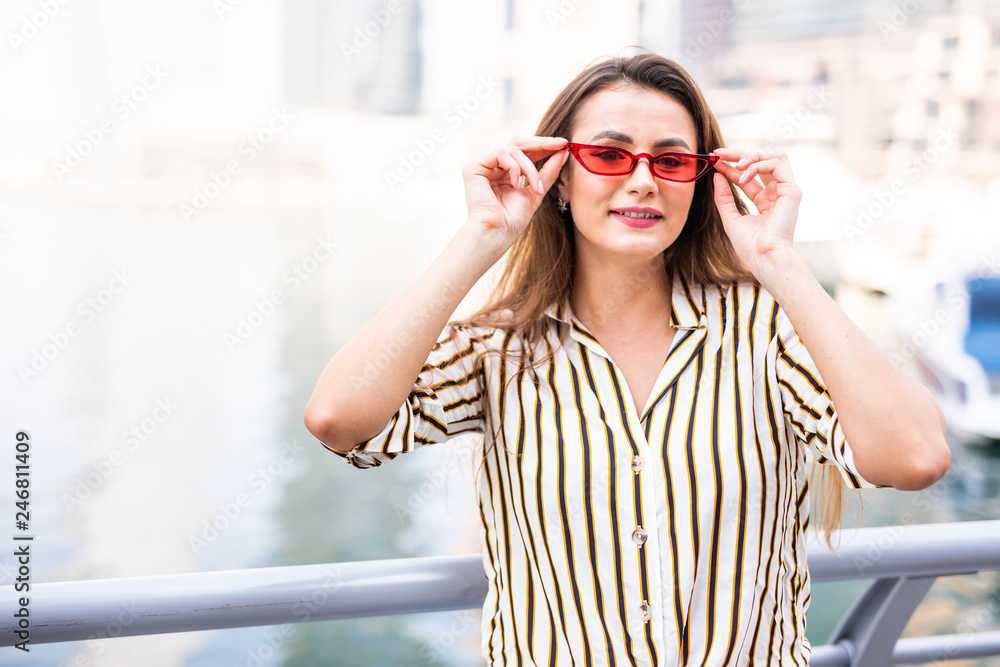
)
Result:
{"points": [[560, 185]]}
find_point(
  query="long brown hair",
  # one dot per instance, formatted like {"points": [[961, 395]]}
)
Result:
{"points": [[539, 268]]}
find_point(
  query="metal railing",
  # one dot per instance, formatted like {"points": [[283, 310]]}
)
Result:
{"points": [[902, 561]]}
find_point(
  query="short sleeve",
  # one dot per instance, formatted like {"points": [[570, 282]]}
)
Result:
{"points": [[808, 408], [447, 399]]}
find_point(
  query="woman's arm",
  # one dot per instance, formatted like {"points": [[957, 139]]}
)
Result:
{"points": [[894, 426], [354, 398]]}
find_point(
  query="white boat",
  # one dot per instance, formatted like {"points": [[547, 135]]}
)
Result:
{"points": [[953, 340]]}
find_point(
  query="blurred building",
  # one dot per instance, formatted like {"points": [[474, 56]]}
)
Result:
{"points": [[951, 99], [868, 81], [355, 55]]}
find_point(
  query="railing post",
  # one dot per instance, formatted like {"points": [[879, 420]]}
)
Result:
{"points": [[872, 625]]}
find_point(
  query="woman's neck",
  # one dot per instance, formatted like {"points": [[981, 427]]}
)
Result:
{"points": [[613, 295]]}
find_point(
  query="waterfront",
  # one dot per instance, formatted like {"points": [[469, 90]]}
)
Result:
{"points": [[215, 469]]}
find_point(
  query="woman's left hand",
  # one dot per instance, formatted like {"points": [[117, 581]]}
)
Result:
{"points": [[767, 181]]}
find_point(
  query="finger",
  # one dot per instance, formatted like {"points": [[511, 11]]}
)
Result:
{"points": [[735, 175], [508, 164], [752, 171], [724, 199], [729, 154], [728, 170], [550, 170], [529, 174], [540, 145]]}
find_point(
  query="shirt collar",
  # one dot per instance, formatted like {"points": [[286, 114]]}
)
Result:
{"points": [[687, 305], [687, 308]]}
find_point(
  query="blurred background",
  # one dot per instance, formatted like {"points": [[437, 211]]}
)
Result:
{"points": [[201, 201]]}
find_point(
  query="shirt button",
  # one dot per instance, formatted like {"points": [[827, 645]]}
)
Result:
{"points": [[637, 463], [645, 611], [639, 536]]}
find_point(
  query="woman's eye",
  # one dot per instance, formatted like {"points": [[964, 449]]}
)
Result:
{"points": [[670, 162], [609, 156]]}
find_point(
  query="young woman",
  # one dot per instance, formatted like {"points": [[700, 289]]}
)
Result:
{"points": [[654, 366]]}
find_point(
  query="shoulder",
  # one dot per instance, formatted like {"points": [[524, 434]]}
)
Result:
{"points": [[744, 297], [745, 304]]}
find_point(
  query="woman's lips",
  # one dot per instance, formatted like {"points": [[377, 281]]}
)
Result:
{"points": [[640, 217]]}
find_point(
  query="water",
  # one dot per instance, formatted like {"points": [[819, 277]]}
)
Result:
{"points": [[179, 397], [970, 603]]}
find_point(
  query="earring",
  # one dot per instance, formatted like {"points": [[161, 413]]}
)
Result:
{"points": [[563, 206]]}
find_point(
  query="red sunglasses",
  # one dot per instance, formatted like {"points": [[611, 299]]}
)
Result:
{"points": [[613, 161]]}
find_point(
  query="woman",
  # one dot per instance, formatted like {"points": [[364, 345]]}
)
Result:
{"points": [[653, 367]]}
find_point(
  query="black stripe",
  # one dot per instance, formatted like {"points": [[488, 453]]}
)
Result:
{"points": [[551, 376], [567, 534], [741, 459], [713, 560], [689, 452], [613, 508], [587, 495], [501, 461]]}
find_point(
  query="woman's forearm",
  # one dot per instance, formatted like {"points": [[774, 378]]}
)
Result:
{"points": [[893, 424], [364, 384]]}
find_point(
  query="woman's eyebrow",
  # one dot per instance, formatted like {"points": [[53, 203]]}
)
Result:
{"points": [[615, 135]]}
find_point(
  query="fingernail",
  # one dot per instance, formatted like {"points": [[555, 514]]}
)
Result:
{"points": [[541, 187]]}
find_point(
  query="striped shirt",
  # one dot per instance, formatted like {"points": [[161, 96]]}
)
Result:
{"points": [[670, 536]]}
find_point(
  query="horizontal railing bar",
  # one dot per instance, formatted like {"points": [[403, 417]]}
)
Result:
{"points": [[79, 610], [917, 650], [946, 647], [911, 551], [70, 611], [830, 656]]}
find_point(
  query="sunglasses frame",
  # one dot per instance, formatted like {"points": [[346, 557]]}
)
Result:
{"points": [[709, 160]]}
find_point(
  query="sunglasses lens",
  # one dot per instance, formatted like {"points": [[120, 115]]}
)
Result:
{"points": [[677, 167], [604, 160], [611, 161]]}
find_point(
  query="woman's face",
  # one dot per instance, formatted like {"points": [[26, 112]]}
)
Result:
{"points": [[640, 121]]}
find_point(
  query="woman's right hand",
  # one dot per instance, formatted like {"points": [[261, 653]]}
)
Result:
{"points": [[493, 191]]}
